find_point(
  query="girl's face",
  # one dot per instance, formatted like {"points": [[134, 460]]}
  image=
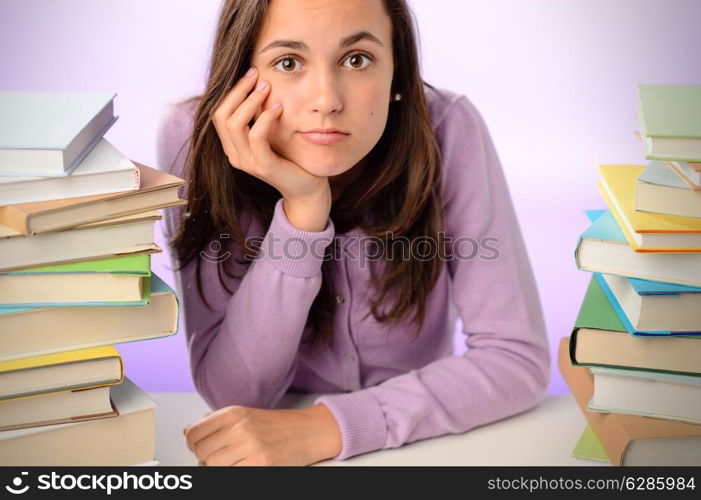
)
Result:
{"points": [[329, 62]]}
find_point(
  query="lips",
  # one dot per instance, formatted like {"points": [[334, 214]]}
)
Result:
{"points": [[325, 131], [324, 137]]}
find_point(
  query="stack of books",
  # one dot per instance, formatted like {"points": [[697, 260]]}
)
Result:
{"points": [[77, 221], [633, 360]]}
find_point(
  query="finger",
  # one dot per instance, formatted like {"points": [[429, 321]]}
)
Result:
{"points": [[229, 455], [214, 442], [234, 98], [259, 136], [237, 125], [211, 423], [231, 102]]}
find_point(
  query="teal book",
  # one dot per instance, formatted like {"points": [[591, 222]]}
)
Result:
{"points": [[670, 121], [47, 134], [603, 248], [28, 331], [613, 301]]}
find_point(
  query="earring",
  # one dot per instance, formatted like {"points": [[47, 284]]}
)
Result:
{"points": [[397, 97]]}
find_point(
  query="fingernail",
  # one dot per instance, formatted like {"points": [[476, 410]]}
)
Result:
{"points": [[250, 72], [185, 429], [275, 105], [262, 85]]}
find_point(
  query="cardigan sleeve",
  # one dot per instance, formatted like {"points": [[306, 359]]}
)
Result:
{"points": [[243, 349], [506, 367]]}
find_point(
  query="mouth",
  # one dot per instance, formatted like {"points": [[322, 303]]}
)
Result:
{"points": [[324, 137]]}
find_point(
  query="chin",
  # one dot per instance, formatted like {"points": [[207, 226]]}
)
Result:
{"points": [[323, 163]]}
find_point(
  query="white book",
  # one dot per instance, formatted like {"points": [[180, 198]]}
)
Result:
{"points": [[644, 393], [49, 133], [688, 172], [127, 439], [110, 238], [659, 190], [103, 171]]}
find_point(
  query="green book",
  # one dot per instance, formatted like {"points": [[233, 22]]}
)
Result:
{"points": [[127, 264], [116, 281], [670, 121], [599, 338], [597, 312], [589, 447]]}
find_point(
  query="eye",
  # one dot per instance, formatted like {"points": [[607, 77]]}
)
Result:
{"points": [[358, 57], [287, 64]]}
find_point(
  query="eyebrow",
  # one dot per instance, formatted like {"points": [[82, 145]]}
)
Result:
{"points": [[346, 42]]}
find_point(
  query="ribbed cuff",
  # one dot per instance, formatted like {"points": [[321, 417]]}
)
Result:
{"points": [[292, 250], [360, 419]]}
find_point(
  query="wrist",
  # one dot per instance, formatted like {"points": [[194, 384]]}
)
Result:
{"points": [[310, 213], [328, 442]]}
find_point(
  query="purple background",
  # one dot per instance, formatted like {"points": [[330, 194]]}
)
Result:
{"points": [[555, 80]]}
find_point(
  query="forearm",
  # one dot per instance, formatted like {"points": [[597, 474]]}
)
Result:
{"points": [[244, 352]]}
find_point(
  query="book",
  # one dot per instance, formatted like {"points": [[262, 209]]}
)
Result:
{"points": [[156, 190], [648, 394], [104, 170], [628, 439], [603, 248], [589, 447], [659, 190], [30, 331], [600, 339], [647, 307], [49, 133], [68, 370], [72, 296], [130, 234], [126, 439], [645, 232], [670, 121], [687, 171], [56, 407], [99, 281]]}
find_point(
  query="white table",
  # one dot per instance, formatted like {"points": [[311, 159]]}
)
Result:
{"points": [[545, 436]]}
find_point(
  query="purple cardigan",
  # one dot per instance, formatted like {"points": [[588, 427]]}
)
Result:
{"points": [[390, 390]]}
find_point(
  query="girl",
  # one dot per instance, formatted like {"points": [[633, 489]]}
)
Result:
{"points": [[338, 207]]}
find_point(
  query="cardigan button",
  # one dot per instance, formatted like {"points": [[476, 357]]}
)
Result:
{"points": [[349, 357], [340, 299]]}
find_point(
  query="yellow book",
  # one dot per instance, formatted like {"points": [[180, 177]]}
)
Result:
{"points": [[60, 371], [644, 231]]}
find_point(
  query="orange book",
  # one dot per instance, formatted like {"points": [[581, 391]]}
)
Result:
{"points": [[630, 439], [156, 190]]}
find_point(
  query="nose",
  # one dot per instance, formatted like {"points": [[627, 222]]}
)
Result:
{"points": [[325, 94]]}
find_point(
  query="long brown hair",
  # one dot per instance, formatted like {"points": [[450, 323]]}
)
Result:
{"points": [[403, 198]]}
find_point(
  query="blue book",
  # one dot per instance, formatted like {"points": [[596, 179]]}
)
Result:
{"points": [[602, 248], [626, 320], [47, 134]]}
